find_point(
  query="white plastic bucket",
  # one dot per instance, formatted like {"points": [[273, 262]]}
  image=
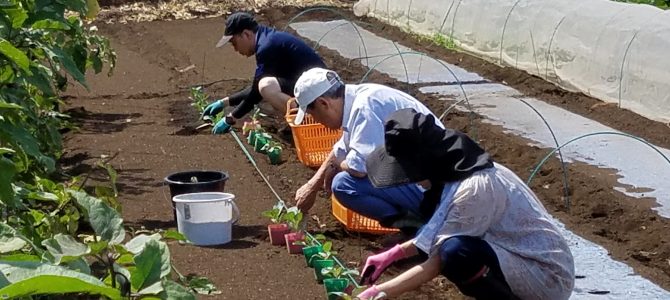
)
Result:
{"points": [[206, 218]]}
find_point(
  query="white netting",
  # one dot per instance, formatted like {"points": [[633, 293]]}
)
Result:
{"points": [[613, 51]]}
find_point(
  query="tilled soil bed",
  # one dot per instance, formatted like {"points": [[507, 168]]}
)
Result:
{"points": [[143, 116]]}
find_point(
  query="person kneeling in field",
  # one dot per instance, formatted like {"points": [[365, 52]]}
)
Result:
{"points": [[489, 235], [280, 59], [359, 110]]}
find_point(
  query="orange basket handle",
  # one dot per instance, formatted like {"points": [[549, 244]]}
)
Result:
{"points": [[289, 110]]}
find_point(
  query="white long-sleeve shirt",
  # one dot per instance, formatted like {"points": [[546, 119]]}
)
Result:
{"points": [[366, 108]]}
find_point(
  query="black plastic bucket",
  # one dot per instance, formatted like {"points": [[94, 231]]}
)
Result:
{"points": [[195, 182]]}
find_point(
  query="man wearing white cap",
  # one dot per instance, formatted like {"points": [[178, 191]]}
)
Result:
{"points": [[280, 59], [360, 111]]}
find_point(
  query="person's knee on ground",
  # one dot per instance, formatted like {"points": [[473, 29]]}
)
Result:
{"points": [[471, 264], [270, 90]]}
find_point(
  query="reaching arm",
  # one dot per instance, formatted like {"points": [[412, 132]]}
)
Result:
{"points": [[306, 195], [412, 278]]}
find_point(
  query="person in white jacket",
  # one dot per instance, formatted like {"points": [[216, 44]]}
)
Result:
{"points": [[489, 235]]}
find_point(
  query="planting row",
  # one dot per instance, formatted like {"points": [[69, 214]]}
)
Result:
{"points": [[287, 230]]}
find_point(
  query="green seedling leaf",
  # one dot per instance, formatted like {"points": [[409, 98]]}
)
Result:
{"points": [[293, 217], [276, 213], [152, 264], [15, 55], [65, 248], [25, 278], [106, 221]]}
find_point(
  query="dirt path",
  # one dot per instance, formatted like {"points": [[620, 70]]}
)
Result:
{"points": [[142, 113]]}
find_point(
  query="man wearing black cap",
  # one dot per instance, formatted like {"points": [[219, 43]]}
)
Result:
{"points": [[489, 234], [280, 59]]}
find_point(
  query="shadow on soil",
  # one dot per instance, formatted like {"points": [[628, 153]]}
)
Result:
{"points": [[95, 123]]}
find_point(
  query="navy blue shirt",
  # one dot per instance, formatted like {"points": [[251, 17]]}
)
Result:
{"points": [[278, 54]]}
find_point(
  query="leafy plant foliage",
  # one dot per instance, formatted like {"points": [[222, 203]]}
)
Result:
{"points": [[56, 240]]}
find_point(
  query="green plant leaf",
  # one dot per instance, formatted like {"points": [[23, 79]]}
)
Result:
{"points": [[41, 78], [9, 240], [75, 5], [174, 235], [27, 143], [153, 289], [24, 278], [174, 291], [69, 65], [137, 244], [16, 15], [202, 285], [42, 196], [9, 105], [11, 244], [151, 265], [15, 55], [106, 221], [7, 172], [79, 265], [97, 247], [20, 257], [50, 24], [65, 248]]}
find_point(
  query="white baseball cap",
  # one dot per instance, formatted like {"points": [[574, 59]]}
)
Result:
{"points": [[311, 85]]}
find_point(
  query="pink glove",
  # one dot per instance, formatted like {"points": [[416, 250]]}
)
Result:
{"points": [[375, 265], [371, 293]]}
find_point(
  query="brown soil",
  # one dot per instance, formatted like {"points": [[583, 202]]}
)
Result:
{"points": [[143, 114]]}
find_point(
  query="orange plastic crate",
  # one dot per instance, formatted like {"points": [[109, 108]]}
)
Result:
{"points": [[355, 222], [313, 141]]}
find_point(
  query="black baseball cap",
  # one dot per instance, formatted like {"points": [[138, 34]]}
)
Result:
{"points": [[235, 24]]}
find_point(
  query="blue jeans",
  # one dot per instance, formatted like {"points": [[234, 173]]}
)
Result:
{"points": [[463, 258], [359, 195]]}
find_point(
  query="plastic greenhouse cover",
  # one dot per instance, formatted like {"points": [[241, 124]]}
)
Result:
{"points": [[613, 51]]}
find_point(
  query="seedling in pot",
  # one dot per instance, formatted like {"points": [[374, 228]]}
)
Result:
{"points": [[307, 241], [310, 247], [261, 140], [338, 272], [277, 229], [273, 149], [327, 252], [293, 218]]}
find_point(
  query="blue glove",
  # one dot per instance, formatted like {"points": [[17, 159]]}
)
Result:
{"points": [[221, 127], [214, 108]]}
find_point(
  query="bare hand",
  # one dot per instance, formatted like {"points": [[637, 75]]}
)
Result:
{"points": [[305, 197]]}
